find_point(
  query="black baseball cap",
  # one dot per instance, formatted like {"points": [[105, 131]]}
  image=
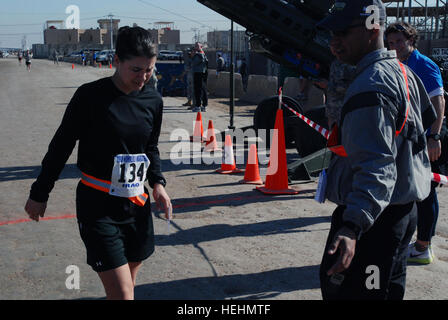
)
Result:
{"points": [[345, 12]]}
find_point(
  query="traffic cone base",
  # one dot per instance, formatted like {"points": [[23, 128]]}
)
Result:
{"points": [[251, 181], [236, 170], [277, 182], [282, 191], [252, 175], [228, 165]]}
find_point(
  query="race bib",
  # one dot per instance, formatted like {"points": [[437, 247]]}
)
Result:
{"points": [[128, 175]]}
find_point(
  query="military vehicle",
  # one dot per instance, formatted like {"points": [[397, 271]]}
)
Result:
{"points": [[285, 31]]}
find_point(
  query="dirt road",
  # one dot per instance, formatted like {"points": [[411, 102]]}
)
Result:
{"points": [[226, 241]]}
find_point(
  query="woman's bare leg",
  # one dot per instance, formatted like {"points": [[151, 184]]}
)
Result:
{"points": [[118, 283]]}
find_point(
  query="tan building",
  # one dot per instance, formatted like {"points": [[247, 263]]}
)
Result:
{"points": [[62, 36], [93, 36], [101, 36], [220, 40], [164, 33]]}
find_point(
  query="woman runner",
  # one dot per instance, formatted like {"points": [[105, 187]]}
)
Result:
{"points": [[117, 121]]}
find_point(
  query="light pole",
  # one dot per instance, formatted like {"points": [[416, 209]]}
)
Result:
{"points": [[111, 32]]}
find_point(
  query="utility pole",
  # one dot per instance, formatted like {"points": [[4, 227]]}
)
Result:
{"points": [[232, 79], [111, 32], [195, 38], [24, 42]]}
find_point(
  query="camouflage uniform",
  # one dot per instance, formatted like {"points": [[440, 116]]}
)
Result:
{"points": [[341, 75]]}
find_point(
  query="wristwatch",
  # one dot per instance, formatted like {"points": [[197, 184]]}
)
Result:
{"points": [[434, 136], [162, 182]]}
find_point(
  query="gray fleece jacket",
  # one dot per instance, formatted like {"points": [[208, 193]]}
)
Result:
{"points": [[381, 169]]}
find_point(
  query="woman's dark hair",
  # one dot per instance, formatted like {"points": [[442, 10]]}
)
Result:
{"points": [[406, 29], [134, 42]]}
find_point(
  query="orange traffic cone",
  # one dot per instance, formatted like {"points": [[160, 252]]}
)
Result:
{"points": [[228, 165], [73, 66], [277, 174], [110, 66], [198, 131], [210, 142], [252, 175], [99, 65]]}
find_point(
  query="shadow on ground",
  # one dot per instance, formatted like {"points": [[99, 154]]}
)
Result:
{"points": [[225, 231], [70, 171], [192, 204], [262, 285]]}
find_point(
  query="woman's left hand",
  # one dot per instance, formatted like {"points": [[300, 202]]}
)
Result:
{"points": [[163, 201]]}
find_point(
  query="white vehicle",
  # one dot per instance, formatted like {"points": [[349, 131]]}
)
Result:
{"points": [[105, 55], [167, 55]]}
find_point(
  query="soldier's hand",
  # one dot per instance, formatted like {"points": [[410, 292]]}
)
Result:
{"points": [[345, 240], [434, 149]]}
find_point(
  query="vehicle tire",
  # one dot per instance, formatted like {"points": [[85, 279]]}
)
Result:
{"points": [[297, 133], [265, 114], [308, 140]]}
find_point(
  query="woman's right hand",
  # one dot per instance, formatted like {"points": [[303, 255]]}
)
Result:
{"points": [[35, 209]]}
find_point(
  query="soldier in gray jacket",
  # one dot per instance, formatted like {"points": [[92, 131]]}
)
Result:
{"points": [[380, 165], [199, 67]]}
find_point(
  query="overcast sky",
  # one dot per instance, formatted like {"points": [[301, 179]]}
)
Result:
{"points": [[27, 17], [19, 18]]}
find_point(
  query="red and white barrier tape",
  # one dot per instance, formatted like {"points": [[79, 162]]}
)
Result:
{"points": [[280, 97], [312, 124], [324, 132], [439, 178]]}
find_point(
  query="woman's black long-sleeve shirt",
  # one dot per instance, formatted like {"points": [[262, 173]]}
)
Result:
{"points": [[106, 122]]}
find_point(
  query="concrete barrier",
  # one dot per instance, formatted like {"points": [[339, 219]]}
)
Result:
{"points": [[221, 87], [316, 97], [259, 88], [212, 81]]}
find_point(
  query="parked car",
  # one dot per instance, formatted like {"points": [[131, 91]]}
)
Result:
{"points": [[75, 54], [167, 55], [4, 54], [105, 56]]}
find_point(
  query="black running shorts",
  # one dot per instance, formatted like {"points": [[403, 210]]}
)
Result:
{"points": [[112, 244]]}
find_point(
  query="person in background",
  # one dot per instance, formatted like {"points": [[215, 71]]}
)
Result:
{"points": [[244, 73], [20, 57], [28, 57], [55, 57], [403, 38], [190, 83], [200, 72], [220, 64], [341, 76]]}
